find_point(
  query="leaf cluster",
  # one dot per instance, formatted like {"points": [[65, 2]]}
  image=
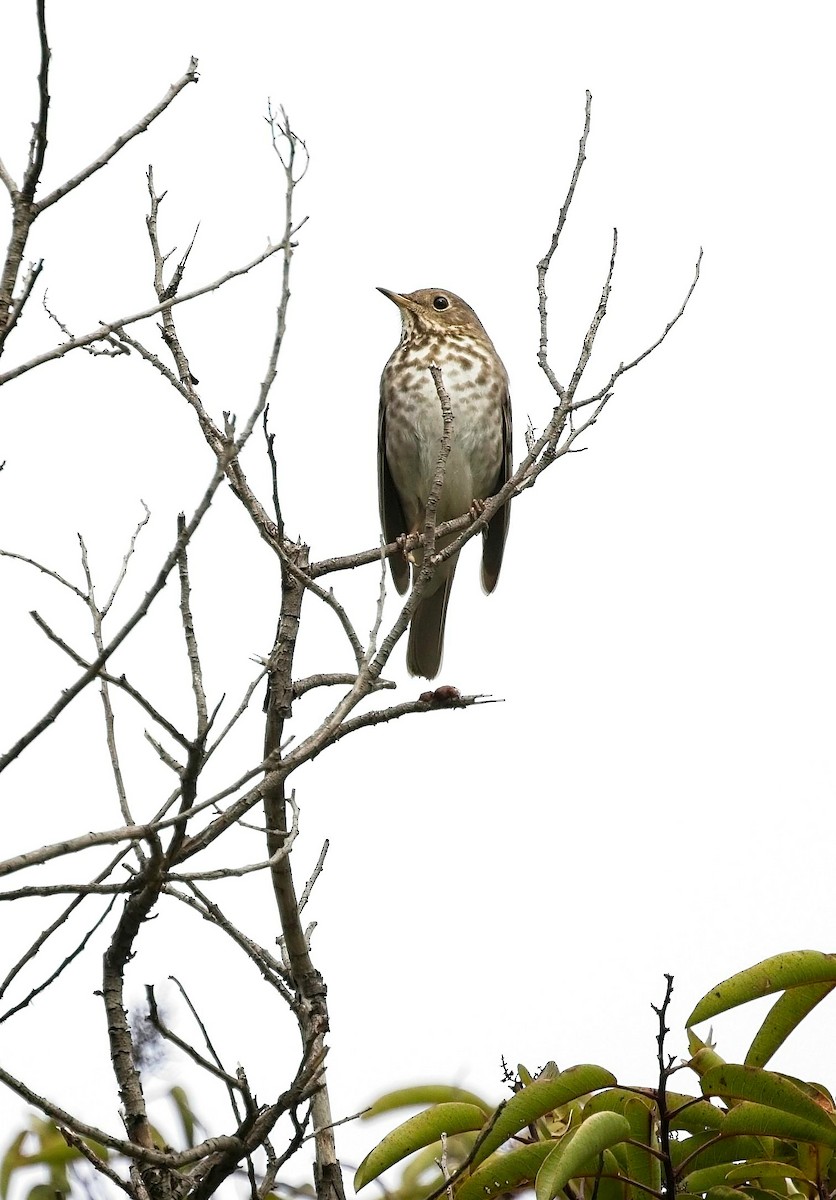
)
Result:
{"points": [[746, 1132]]}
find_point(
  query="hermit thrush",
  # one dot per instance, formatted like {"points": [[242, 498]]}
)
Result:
{"points": [[438, 327]]}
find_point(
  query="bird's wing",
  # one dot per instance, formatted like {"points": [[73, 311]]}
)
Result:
{"points": [[391, 513], [493, 538]]}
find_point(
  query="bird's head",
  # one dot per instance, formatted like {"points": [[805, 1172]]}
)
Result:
{"points": [[435, 311]]}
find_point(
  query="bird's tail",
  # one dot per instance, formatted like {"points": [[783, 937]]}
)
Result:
{"points": [[426, 630]]}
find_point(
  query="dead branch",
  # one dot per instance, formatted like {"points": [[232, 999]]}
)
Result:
{"points": [[70, 693], [25, 208]]}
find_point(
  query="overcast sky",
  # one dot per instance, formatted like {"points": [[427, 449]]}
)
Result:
{"points": [[655, 793]]}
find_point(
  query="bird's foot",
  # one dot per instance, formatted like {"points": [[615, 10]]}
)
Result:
{"points": [[477, 507], [408, 554]]}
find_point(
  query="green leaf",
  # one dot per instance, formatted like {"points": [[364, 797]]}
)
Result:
{"points": [[609, 1185], [615, 1099], [505, 1172], [643, 1167], [420, 1130], [458, 1147], [707, 1177], [45, 1191], [706, 1149], [540, 1098], [755, 1193], [423, 1094], [792, 969], [703, 1060], [765, 1087], [764, 1169], [786, 1013], [184, 1111], [761, 1120], [577, 1148], [12, 1159], [692, 1114]]}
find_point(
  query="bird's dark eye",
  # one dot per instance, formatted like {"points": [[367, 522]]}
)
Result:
{"points": [[441, 302]]}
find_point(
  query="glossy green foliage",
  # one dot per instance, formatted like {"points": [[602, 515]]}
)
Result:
{"points": [[804, 977], [424, 1129], [42, 1155], [40, 1162], [744, 1133]]}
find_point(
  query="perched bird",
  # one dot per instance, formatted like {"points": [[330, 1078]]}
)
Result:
{"points": [[439, 328]]}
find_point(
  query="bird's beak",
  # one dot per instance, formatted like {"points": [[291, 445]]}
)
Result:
{"points": [[401, 301]]}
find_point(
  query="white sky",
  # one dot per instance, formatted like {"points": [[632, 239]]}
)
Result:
{"points": [[656, 791]]}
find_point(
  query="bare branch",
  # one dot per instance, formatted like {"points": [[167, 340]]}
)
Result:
{"points": [[46, 571], [342, 1121], [281, 852], [190, 76], [327, 597], [624, 367], [56, 924], [268, 965], [37, 147], [117, 681], [129, 1149], [315, 874], [239, 712], [380, 716], [600, 313], [70, 693], [381, 599], [269, 439], [191, 640], [110, 732], [545, 262], [17, 305], [59, 970], [118, 325], [111, 346], [164, 756], [333, 680], [283, 130], [126, 559], [7, 180], [99, 1164], [79, 890], [214, 1068]]}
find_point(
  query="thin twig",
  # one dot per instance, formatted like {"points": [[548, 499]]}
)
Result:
{"points": [[666, 1069], [131, 1150], [333, 679], [116, 680], [123, 570], [545, 262], [99, 1164], [59, 970], [70, 693], [624, 367], [46, 571], [58, 923], [110, 731], [315, 874], [189, 634], [213, 1068], [190, 76], [107, 328]]}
